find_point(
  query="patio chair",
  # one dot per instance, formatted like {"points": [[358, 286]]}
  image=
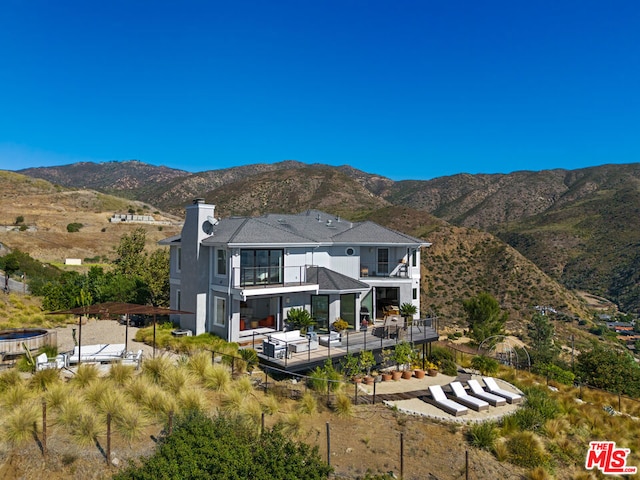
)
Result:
{"points": [[460, 395], [493, 387], [44, 363], [479, 392], [441, 401]]}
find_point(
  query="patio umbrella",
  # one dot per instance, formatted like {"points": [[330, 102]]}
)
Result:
{"points": [[117, 308]]}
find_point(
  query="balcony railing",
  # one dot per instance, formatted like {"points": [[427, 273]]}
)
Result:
{"points": [[269, 276], [388, 270]]}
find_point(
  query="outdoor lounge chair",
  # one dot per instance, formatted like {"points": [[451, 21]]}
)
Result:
{"points": [[479, 392], [441, 401], [493, 387], [43, 362], [460, 395]]}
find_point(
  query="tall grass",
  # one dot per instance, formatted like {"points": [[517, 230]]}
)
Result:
{"points": [[21, 423], [130, 422], [44, 379], [483, 435], [121, 374], [8, 379], [308, 404], [218, 378], [85, 374], [154, 368], [343, 405]]}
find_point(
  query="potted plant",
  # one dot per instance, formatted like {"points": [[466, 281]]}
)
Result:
{"points": [[350, 367], [386, 362], [366, 361], [300, 319], [416, 365], [432, 369], [401, 356], [339, 325], [407, 311]]}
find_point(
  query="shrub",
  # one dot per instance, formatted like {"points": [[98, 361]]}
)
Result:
{"points": [[526, 450], [343, 405], [485, 365], [483, 435], [74, 227]]}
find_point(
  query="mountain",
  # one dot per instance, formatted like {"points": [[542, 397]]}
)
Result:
{"points": [[580, 227]]}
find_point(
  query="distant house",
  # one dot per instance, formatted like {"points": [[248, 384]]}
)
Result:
{"points": [[130, 218], [243, 274]]}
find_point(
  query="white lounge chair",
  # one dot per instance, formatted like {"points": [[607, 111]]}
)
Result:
{"points": [[461, 395], [478, 391], [449, 406], [493, 387], [44, 363]]}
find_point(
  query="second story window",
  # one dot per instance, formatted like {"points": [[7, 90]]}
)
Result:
{"points": [[221, 261], [259, 267]]}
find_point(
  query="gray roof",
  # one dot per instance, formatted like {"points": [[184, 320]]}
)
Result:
{"points": [[330, 281], [308, 228]]}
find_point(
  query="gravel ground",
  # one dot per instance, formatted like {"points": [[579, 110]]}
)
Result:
{"points": [[101, 331]]}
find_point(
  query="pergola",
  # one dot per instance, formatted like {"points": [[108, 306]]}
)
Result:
{"points": [[107, 309]]}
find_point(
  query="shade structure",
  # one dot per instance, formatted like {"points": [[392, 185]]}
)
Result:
{"points": [[118, 308]]}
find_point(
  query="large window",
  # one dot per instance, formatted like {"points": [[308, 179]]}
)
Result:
{"points": [[320, 312], [261, 267], [219, 311], [348, 308]]}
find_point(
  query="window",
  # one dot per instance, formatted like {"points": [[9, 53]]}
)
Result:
{"points": [[415, 293], [178, 300], [383, 261], [414, 258], [261, 267], [350, 251], [221, 261], [320, 312], [219, 311], [179, 259]]}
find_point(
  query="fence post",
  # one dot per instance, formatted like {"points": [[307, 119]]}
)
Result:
{"points": [[266, 381], [374, 392], [466, 464], [365, 338], [44, 428], [401, 456], [170, 422], [328, 445], [262, 425], [328, 390], [356, 393], [108, 439]]}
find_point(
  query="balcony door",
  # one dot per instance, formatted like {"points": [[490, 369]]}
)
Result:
{"points": [[383, 261], [261, 267]]}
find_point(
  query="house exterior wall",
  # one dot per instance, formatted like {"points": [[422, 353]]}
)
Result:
{"points": [[197, 286]]}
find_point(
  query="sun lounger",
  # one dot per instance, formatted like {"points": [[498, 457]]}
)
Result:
{"points": [[478, 391], [460, 395], [101, 353], [493, 387], [441, 401]]}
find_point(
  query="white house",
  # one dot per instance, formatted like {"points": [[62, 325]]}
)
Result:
{"points": [[240, 274]]}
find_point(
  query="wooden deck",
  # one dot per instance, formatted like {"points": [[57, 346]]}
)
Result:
{"points": [[375, 339]]}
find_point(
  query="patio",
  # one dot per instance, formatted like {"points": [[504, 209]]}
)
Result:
{"points": [[375, 338]]}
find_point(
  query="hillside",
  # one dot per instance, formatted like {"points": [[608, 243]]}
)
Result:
{"points": [[579, 227], [47, 209]]}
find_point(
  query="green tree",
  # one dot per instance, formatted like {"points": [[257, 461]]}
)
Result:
{"points": [[610, 369], [130, 252], [227, 447], [484, 317], [156, 277], [541, 332]]}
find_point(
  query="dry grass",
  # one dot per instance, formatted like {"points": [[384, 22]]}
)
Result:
{"points": [[21, 423]]}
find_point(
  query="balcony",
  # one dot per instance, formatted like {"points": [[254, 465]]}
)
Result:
{"points": [[248, 277], [384, 270]]}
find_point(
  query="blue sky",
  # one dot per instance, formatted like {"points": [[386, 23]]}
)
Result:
{"points": [[405, 89]]}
